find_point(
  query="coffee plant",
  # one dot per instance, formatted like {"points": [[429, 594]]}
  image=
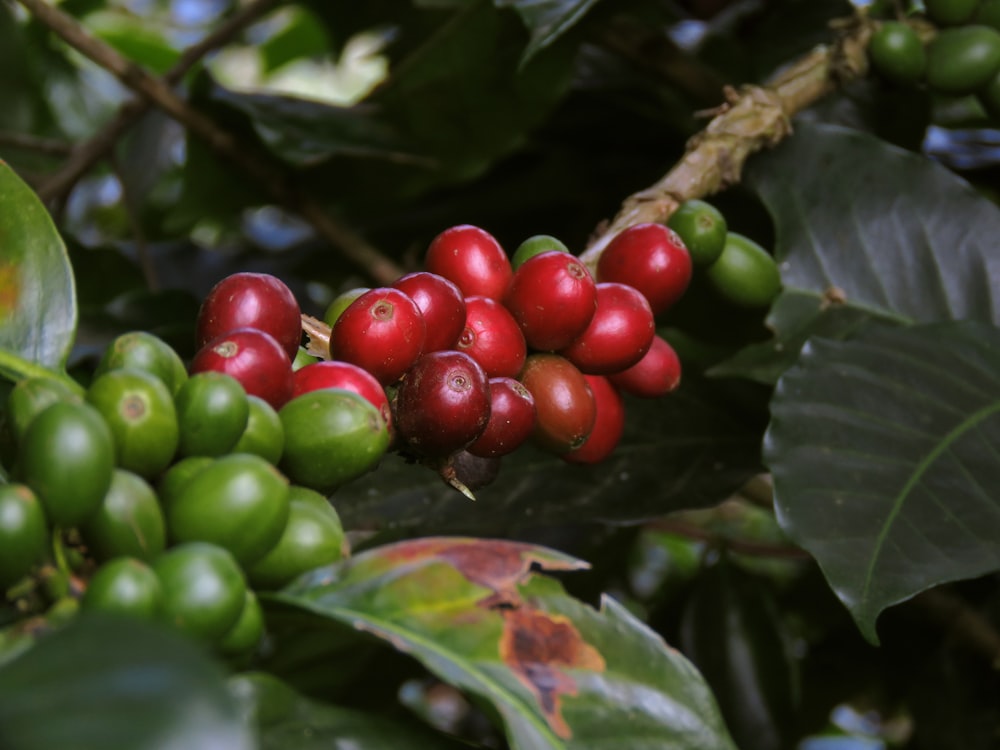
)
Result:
{"points": [[499, 374]]}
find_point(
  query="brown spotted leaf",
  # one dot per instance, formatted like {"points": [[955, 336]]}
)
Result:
{"points": [[560, 674]]}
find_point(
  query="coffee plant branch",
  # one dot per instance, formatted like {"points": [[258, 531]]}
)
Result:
{"points": [[259, 167], [752, 118], [85, 155]]}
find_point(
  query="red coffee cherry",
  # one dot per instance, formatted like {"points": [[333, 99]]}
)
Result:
{"points": [[608, 426], [335, 374], [473, 259], [492, 338], [382, 332], [564, 404], [656, 374], [442, 305], [512, 419], [251, 300], [443, 403], [252, 357], [651, 258], [619, 334], [552, 297]]}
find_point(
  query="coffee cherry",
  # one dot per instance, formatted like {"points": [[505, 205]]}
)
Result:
{"points": [[245, 634], [303, 358], [564, 404], [124, 586], [177, 476], [24, 533], [30, 397], [988, 14], [553, 298], [651, 258], [212, 413], [128, 523], [745, 274], [251, 300], [609, 424], [443, 403], [252, 357], [656, 374], [492, 337], [950, 12], [536, 245], [139, 350], [264, 434], [473, 259], [382, 331], [512, 419], [897, 53], [619, 334], [962, 60], [442, 305], [335, 374], [702, 229]]}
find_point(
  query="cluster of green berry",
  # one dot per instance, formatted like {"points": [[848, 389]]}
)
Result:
{"points": [[957, 54]]}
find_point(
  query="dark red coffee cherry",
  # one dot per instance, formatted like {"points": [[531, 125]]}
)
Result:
{"points": [[619, 334], [251, 300], [382, 331], [565, 410], [442, 305], [473, 259], [335, 374], [608, 425], [492, 338], [656, 374], [252, 357], [443, 403], [512, 419], [651, 258], [552, 297]]}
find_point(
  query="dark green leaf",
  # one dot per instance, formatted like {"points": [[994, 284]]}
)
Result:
{"points": [[547, 20], [866, 231], [110, 683], [37, 293], [559, 673], [285, 720], [884, 453], [688, 449]]}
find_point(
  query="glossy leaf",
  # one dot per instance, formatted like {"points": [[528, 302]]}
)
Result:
{"points": [[689, 449], [884, 453], [285, 719], [867, 232], [559, 673], [37, 292], [102, 683], [547, 20]]}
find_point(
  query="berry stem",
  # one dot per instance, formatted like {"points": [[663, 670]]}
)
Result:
{"points": [[15, 368]]}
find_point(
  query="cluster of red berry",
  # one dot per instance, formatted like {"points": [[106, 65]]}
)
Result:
{"points": [[478, 352]]}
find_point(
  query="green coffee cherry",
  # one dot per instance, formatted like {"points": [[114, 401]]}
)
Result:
{"points": [[897, 53]]}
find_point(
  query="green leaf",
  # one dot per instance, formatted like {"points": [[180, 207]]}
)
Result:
{"points": [[867, 232], [110, 683], [284, 720], [884, 453], [547, 20], [37, 292], [559, 673], [689, 449]]}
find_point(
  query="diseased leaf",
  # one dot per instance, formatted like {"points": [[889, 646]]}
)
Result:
{"points": [[37, 292], [559, 673], [547, 20], [884, 451], [867, 232], [111, 683]]}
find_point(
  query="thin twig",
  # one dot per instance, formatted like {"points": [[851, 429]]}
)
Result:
{"points": [[25, 142], [258, 166], [135, 225]]}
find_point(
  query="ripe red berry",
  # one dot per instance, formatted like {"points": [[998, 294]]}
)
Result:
{"points": [[251, 300], [473, 259], [382, 332], [443, 403], [656, 374], [650, 257], [512, 419], [552, 297], [492, 338], [334, 374], [619, 334], [442, 305], [565, 410], [252, 357], [608, 426]]}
